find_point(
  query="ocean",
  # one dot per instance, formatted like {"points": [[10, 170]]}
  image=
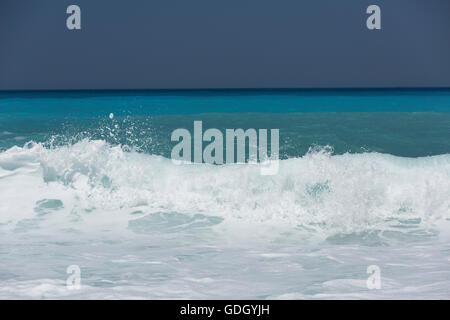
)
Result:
{"points": [[86, 180]]}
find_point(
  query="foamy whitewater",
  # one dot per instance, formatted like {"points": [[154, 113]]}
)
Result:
{"points": [[139, 226]]}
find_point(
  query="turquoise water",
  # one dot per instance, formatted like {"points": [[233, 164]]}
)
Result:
{"points": [[86, 179], [404, 123]]}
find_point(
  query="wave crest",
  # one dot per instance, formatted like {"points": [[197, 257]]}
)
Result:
{"points": [[320, 192]]}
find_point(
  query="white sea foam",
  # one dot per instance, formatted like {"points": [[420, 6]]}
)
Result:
{"points": [[141, 227], [320, 192]]}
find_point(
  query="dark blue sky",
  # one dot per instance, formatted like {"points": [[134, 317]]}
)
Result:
{"points": [[163, 44]]}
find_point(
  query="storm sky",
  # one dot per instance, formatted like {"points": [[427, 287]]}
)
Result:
{"points": [[182, 44]]}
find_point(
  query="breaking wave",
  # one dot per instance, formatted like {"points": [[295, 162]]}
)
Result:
{"points": [[319, 193]]}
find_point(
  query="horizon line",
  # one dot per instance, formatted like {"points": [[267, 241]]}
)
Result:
{"points": [[420, 88]]}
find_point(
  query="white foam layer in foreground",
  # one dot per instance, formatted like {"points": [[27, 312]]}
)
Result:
{"points": [[139, 226]]}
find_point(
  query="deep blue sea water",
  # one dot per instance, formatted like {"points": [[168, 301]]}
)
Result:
{"points": [[86, 179]]}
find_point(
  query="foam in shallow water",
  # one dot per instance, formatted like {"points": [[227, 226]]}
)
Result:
{"points": [[140, 226]]}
